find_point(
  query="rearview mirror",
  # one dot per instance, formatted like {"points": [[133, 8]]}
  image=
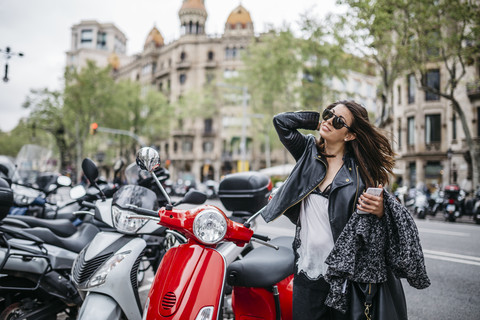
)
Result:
{"points": [[193, 197], [148, 159], [90, 170]]}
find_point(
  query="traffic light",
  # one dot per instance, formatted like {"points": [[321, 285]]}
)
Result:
{"points": [[93, 128]]}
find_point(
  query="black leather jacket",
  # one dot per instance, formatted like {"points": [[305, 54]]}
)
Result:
{"points": [[309, 172]]}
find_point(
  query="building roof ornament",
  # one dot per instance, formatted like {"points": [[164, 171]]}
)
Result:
{"points": [[114, 61], [154, 37], [239, 15]]}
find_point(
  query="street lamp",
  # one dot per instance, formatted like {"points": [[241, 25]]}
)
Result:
{"points": [[449, 156], [8, 54]]}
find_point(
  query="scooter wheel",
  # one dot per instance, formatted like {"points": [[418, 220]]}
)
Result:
{"points": [[17, 311]]}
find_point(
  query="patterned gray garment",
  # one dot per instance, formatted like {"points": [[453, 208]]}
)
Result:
{"points": [[368, 245]]}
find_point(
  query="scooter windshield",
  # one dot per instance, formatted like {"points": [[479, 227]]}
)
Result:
{"points": [[135, 195]]}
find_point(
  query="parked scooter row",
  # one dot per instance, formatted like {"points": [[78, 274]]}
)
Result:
{"points": [[36, 258], [107, 271]]}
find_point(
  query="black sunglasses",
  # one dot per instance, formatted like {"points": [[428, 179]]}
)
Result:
{"points": [[337, 122]]}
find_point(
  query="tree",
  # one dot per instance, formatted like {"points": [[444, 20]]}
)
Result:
{"points": [[377, 30], [47, 114], [24, 133], [142, 110], [323, 56], [89, 96]]}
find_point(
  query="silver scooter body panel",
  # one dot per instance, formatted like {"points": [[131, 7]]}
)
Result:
{"points": [[59, 258], [117, 285]]}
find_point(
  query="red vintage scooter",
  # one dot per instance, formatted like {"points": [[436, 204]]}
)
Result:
{"points": [[190, 281]]}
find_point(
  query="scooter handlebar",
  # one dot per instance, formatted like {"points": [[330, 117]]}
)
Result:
{"points": [[143, 211], [260, 237], [87, 204]]}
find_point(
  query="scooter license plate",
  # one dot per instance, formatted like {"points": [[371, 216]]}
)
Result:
{"points": [[450, 207]]}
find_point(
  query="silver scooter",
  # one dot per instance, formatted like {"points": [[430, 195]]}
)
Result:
{"points": [[106, 272]]}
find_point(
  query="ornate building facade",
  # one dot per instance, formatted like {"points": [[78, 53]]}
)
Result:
{"points": [[220, 142]]}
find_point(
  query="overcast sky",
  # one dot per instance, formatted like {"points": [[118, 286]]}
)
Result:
{"points": [[41, 30]]}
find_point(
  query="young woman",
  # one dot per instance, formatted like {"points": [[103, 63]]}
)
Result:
{"points": [[325, 188]]}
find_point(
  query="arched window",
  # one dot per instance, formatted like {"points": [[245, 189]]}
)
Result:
{"points": [[210, 55], [182, 78]]}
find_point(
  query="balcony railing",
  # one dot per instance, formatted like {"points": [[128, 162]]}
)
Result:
{"points": [[473, 90], [432, 146], [183, 65]]}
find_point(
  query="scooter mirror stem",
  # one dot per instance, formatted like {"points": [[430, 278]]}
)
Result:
{"points": [[249, 221], [161, 187]]}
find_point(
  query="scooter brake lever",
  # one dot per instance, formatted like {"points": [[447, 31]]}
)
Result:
{"points": [[265, 243]]}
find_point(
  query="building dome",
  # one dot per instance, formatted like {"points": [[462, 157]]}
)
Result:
{"points": [[193, 4], [154, 37], [239, 15]]}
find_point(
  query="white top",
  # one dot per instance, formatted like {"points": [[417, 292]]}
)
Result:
{"points": [[316, 239]]}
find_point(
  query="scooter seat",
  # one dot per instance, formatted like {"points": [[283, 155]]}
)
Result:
{"points": [[76, 242], [263, 266], [61, 227]]}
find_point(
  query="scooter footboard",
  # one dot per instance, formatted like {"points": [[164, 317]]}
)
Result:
{"points": [[190, 280]]}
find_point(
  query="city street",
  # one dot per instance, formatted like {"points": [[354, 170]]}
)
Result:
{"points": [[452, 257]]}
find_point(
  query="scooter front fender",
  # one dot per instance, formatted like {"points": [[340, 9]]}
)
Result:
{"points": [[99, 306], [189, 278]]}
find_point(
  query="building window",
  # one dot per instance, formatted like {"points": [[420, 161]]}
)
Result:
{"points": [[399, 133], [227, 53], [399, 94], [147, 68], [454, 126], [208, 146], [187, 146], [433, 81], [411, 131], [210, 55], [119, 46], [412, 168], [411, 88], [208, 125], [86, 38], [433, 128], [234, 52], [102, 41], [182, 78], [183, 56]]}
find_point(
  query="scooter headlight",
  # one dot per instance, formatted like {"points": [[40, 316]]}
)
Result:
{"points": [[100, 276], [123, 223], [210, 226]]}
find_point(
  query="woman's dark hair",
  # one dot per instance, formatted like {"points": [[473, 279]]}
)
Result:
{"points": [[371, 148]]}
